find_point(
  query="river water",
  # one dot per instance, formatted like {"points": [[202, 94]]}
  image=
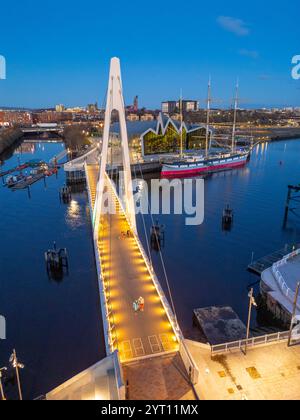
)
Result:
{"points": [[56, 327]]}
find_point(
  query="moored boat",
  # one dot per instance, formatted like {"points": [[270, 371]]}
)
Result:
{"points": [[11, 181], [190, 167], [209, 163]]}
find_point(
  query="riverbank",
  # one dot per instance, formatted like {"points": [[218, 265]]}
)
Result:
{"points": [[285, 134], [275, 133], [8, 137]]}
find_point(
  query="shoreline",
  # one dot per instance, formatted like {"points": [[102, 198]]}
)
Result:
{"points": [[8, 138], [287, 137]]}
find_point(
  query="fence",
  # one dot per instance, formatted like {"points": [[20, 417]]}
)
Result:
{"points": [[251, 342], [79, 163], [280, 280]]}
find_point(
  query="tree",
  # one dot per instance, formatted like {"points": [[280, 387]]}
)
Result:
{"points": [[76, 137]]}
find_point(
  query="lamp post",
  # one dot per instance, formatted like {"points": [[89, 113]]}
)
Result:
{"points": [[16, 365], [251, 303], [293, 314], [4, 369]]}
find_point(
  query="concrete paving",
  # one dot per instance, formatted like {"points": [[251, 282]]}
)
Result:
{"points": [[269, 372], [160, 378]]}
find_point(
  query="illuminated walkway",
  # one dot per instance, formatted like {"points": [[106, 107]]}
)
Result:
{"points": [[126, 278]]}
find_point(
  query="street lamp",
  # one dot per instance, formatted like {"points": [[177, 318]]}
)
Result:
{"points": [[17, 365], [251, 303], [4, 369]]}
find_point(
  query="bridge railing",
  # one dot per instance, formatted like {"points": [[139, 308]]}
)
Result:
{"points": [[187, 359], [154, 278], [60, 156], [108, 325], [80, 162], [103, 298]]}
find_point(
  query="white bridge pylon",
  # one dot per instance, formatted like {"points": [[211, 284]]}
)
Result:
{"points": [[114, 102]]}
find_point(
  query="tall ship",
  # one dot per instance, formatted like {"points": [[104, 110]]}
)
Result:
{"points": [[195, 165]]}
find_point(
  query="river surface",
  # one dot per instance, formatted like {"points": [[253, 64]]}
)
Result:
{"points": [[56, 327]]}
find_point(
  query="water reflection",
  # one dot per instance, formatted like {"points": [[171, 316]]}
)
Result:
{"points": [[47, 322], [26, 148], [74, 216], [209, 267]]}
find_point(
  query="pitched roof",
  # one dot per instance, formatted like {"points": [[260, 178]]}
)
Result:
{"points": [[164, 121]]}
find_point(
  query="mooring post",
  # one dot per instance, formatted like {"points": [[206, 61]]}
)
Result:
{"points": [[287, 206]]}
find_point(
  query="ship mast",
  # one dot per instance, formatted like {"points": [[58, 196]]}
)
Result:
{"points": [[181, 128], [236, 103], [208, 115]]}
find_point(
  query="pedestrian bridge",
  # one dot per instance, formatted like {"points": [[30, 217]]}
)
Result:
{"points": [[125, 275], [143, 338]]}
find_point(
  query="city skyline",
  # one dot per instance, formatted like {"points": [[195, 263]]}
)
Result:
{"points": [[64, 58]]}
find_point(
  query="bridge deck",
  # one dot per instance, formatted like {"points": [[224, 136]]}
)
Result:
{"points": [[127, 278]]}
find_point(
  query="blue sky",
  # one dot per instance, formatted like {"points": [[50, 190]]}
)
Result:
{"points": [[59, 51]]}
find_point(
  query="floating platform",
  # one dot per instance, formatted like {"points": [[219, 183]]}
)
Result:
{"points": [[220, 324], [266, 262], [27, 182]]}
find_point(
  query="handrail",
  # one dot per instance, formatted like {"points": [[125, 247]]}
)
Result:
{"points": [[60, 156], [251, 342], [104, 304], [108, 323], [192, 369], [80, 160], [154, 278], [280, 280]]}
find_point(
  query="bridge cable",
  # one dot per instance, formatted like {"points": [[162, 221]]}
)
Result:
{"points": [[161, 258], [145, 228]]}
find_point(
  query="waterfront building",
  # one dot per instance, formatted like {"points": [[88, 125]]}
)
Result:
{"points": [[51, 117], [170, 107], [189, 105], [92, 108], [8, 118], [147, 117], [59, 108], [166, 137], [133, 117], [76, 109]]}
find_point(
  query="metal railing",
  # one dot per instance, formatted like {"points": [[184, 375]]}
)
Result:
{"points": [[108, 325], [188, 361], [251, 342], [152, 273], [59, 157], [287, 291], [109, 340], [78, 163]]}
